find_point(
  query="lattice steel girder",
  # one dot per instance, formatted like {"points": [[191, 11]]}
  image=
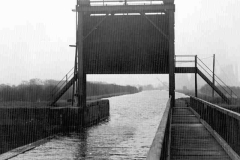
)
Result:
{"points": [[125, 9]]}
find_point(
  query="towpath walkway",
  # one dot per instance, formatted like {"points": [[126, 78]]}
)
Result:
{"points": [[190, 140]]}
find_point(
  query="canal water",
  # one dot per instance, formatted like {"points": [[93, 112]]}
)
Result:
{"points": [[127, 134]]}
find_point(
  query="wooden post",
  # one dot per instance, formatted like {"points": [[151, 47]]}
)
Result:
{"points": [[171, 57], [213, 75], [196, 76], [81, 71]]}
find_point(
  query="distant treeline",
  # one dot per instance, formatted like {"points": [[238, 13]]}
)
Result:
{"points": [[37, 90], [235, 91], [205, 92]]}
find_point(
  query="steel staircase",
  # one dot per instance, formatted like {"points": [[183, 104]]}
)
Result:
{"points": [[59, 94], [223, 90], [210, 83], [63, 85]]}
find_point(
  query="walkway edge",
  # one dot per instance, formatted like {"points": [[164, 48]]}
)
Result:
{"points": [[15, 152], [232, 154], [158, 142]]}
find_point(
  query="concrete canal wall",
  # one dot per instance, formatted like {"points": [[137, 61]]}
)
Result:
{"points": [[95, 110], [23, 125], [73, 116]]}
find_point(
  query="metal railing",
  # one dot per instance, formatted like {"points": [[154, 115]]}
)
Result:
{"points": [[61, 84], [194, 61], [184, 60], [122, 2], [222, 86], [160, 148], [225, 122]]}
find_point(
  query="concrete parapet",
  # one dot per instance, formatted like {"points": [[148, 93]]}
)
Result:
{"points": [[73, 116], [23, 125], [23, 116], [95, 111]]}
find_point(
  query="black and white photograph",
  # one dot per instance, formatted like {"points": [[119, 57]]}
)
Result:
{"points": [[119, 80]]}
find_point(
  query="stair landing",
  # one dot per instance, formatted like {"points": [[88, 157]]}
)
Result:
{"points": [[190, 140]]}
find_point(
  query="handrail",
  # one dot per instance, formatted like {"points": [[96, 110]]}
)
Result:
{"points": [[223, 86], [159, 147], [220, 109], [63, 90], [60, 84], [216, 80], [59, 88], [223, 121], [124, 2], [185, 59], [215, 75], [62, 79]]}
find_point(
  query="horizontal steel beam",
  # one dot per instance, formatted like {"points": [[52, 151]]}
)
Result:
{"points": [[185, 70], [185, 55], [185, 61], [125, 9]]}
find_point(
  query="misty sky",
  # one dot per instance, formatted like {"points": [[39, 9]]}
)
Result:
{"points": [[35, 37]]}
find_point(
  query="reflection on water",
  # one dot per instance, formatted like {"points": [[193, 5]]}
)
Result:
{"points": [[127, 134]]}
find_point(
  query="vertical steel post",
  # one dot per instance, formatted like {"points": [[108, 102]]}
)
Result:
{"points": [[75, 62], [74, 74], [213, 75], [196, 94], [81, 70], [171, 57]]}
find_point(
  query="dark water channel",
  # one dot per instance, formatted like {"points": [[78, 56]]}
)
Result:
{"points": [[127, 134]]}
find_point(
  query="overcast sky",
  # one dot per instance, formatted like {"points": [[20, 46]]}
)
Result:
{"points": [[35, 37]]}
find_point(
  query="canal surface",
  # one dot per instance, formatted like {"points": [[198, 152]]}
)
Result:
{"points": [[127, 134]]}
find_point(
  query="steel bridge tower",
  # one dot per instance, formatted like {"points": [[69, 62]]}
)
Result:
{"points": [[124, 37]]}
